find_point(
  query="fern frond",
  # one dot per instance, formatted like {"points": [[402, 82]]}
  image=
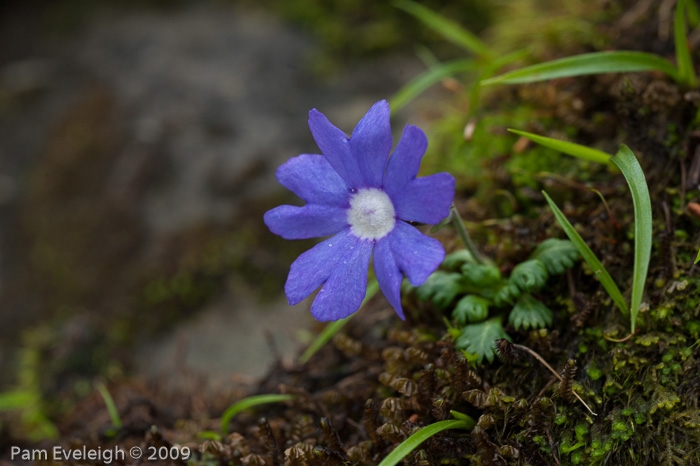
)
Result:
{"points": [[530, 275], [528, 313], [556, 254], [471, 308]]}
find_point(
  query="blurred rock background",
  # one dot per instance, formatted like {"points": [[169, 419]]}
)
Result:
{"points": [[138, 145]]}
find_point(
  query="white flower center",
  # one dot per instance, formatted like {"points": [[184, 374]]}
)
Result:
{"points": [[371, 214]]}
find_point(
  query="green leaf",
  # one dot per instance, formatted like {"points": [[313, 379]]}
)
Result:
{"points": [[697, 259], [448, 29], [441, 288], [412, 442], [330, 330], [111, 407], [209, 435], [598, 269], [588, 63], [247, 403], [529, 313], [530, 275], [488, 70], [556, 254], [422, 82], [478, 338], [471, 308], [506, 294], [569, 148], [461, 416], [693, 13], [683, 57], [454, 260], [629, 166], [481, 276]]}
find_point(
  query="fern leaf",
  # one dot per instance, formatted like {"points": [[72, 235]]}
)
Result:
{"points": [[556, 254], [454, 260], [528, 313], [506, 294], [479, 338], [481, 275], [441, 288], [471, 308], [530, 275]]}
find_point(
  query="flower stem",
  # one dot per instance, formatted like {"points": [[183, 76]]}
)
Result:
{"points": [[464, 235]]}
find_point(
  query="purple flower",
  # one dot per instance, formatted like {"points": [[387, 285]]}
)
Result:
{"points": [[363, 197]]}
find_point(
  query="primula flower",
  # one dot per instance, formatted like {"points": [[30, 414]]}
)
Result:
{"points": [[363, 197]]}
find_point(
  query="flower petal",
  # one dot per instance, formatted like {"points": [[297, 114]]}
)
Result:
{"points": [[370, 143], [336, 148], [425, 200], [404, 162], [309, 221], [312, 178], [312, 268], [347, 284], [416, 254], [388, 274]]}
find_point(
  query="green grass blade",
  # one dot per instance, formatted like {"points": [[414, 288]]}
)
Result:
{"points": [[412, 442], [247, 403], [111, 407], [446, 28], [693, 13], [419, 84], [589, 63], [569, 148], [209, 435], [697, 259], [634, 175], [334, 327], [427, 56], [598, 269], [486, 72], [685, 61]]}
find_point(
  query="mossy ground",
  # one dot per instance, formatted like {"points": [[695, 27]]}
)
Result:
{"points": [[382, 378]]}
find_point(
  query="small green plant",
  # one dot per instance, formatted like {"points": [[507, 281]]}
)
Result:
{"points": [[614, 61], [27, 399], [111, 409], [247, 403], [411, 443], [474, 291], [32, 418], [626, 161]]}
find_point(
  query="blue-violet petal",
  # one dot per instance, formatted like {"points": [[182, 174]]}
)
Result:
{"points": [[404, 162], [370, 143], [388, 274], [312, 178], [309, 221], [416, 254], [425, 200], [343, 292], [312, 268], [335, 147]]}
